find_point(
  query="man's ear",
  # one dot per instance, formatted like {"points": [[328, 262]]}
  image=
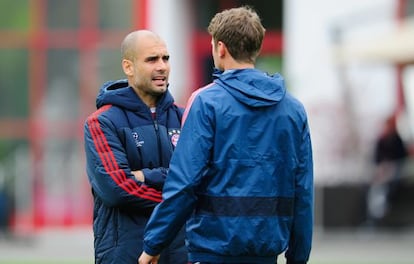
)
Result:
{"points": [[127, 67], [221, 49]]}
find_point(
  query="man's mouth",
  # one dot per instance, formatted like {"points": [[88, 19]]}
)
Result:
{"points": [[160, 80]]}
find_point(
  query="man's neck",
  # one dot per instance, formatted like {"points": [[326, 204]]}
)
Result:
{"points": [[233, 65], [148, 99]]}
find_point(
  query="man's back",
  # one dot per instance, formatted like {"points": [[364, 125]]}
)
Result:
{"points": [[259, 161], [242, 173]]}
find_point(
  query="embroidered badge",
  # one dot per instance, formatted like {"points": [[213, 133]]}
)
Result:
{"points": [[138, 142], [174, 135]]}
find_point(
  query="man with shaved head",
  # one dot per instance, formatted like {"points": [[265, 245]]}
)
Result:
{"points": [[129, 141]]}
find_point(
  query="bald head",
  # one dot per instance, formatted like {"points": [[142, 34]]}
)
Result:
{"points": [[129, 44], [145, 62]]}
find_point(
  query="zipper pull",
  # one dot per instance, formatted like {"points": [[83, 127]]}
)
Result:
{"points": [[156, 124]]}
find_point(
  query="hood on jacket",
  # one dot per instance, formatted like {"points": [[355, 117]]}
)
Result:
{"points": [[119, 93], [252, 87]]}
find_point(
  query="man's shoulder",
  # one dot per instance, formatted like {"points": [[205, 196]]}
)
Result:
{"points": [[293, 101], [210, 91], [99, 112], [108, 112]]}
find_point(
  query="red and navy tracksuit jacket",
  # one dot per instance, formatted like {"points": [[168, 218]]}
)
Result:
{"points": [[122, 136]]}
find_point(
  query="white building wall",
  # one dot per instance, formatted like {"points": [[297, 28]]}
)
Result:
{"points": [[345, 101], [172, 20]]}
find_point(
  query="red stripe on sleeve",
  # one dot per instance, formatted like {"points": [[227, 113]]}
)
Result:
{"points": [[111, 166]]}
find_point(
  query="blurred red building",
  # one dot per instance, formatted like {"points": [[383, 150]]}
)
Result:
{"points": [[54, 56]]}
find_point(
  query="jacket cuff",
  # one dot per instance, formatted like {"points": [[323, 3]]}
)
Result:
{"points": [[155, 178]]}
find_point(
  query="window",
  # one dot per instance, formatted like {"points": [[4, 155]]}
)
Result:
{"points": [[109, 65], [62, 95], [63, 14], [14, 92], [108, 19], [14, 15]]}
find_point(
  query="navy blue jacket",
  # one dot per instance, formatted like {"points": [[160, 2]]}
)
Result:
{"points": [[241, 175], [122, 136]]}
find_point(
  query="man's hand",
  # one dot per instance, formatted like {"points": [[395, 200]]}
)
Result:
{"points": [[148, 259], [139, 176]]}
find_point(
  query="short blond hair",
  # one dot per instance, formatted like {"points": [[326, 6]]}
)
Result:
{"points": [[241, 30]]}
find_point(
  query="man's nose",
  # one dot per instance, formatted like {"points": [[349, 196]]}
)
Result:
{"points": [[162, 65]]}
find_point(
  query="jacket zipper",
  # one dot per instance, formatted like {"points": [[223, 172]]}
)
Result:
{"points": [[157, 132], [116, 227]]}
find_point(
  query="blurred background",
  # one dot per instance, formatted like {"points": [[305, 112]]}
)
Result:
{"points": [[351, 62]]}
